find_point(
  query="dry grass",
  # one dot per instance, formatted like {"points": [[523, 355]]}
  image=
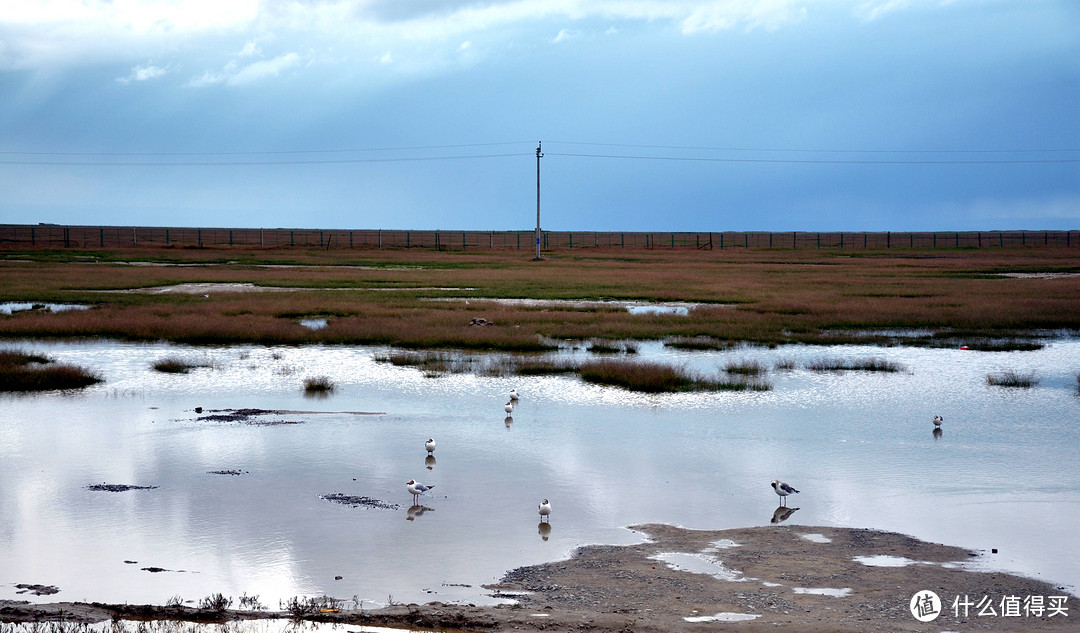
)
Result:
{"points": [[378, 297], [176, 365], [746, 368], [860, 364], [1011, 378], [658, 378], [318, 384], [20, 371]]}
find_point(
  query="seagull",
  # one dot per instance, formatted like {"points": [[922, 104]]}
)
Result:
{"points": [[509, 407], [513, 395], [544, 509], [430, 446], [417, 488], [782, 489], [938, 420]]}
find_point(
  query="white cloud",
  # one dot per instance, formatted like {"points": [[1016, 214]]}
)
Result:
{"points": [[564, 35], [466, 45], [144, 72], [386, 58], [263, 69], [251, 48], [870, 11]]}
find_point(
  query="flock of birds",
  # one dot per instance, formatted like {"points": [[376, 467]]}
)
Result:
{"points": [[781, 488], [416, 488]]}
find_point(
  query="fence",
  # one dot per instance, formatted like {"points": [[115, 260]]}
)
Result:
{"points": [[61, 236]]}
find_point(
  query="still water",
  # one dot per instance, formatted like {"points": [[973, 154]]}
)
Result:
{"points": [[1003, 474]]}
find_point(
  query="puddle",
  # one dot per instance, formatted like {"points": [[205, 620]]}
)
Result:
{"points": [[884, 560], [723, 617], [314, 324], [11, 307], [824, 591], [816, 538], [633, 307], [699, 564], [725, 543]]}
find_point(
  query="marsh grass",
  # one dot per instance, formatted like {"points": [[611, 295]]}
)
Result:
{"points": [[20, 371], [772, 297], [785, 364], [1012, 378], [605, 347], [544, 366], [177, 365], [659, 378], [746, 368], [433, 364], [318, 384], [848, 364]]}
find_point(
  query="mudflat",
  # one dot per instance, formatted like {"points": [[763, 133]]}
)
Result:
{"points": [[795, 578]]}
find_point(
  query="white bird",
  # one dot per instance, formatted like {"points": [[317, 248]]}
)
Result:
{"points": [[782, 489], [430, 445], [509, 407], [938, 420], [544, 509], [417, 488], [513, 395]]}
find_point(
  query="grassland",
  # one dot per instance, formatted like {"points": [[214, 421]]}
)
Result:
{"points": [[426, 299]]}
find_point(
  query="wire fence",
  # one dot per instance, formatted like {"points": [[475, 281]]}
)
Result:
{"points": [[91, 237]]}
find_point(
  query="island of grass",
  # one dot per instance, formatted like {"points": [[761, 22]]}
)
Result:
{"points": [[22, 371]]}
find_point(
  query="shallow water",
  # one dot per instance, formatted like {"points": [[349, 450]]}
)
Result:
{"points": [[1003, 474]]}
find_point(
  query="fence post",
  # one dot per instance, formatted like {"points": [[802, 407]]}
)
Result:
{"points": [[819, 240], [957, 236], [101, 237], [622, 238]]}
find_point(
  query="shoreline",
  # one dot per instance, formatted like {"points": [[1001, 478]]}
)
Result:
{"points": [[804, 578]]}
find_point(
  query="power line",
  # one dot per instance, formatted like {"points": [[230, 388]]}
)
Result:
{"points": [[822, 150], [822, 161], [340, 161], [267, 152]]}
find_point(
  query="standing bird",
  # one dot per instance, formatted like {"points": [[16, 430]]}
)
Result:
{"points": [[513, 395], [416, 488], [509, 407], [782, 489], [938, 420], [430, 446], [544, 509]]}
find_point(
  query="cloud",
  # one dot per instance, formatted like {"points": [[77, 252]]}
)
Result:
{"points": [[144, 72], [251, 48], [264, 68], [870, 11], [564, 35]]}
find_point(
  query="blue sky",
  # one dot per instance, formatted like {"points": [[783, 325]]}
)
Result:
{"points": [[858, 115]]}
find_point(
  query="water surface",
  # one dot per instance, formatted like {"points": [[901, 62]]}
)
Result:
{"points": [[238, 507]]}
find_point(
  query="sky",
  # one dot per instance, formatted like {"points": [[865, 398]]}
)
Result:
{"points": [[654, 115]]}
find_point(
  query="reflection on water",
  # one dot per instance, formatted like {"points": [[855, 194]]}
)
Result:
{"points": [[268, 625], [11, 307], [1006, 476]]}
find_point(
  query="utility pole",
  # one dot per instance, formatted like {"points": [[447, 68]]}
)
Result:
{"points": [[538, 157]]}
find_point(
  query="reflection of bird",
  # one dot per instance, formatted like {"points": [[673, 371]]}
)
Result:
{"points": [[509, 407], [938, 420], [417, 488], [429, 461], [415, 511], [782, 489], [937, 432], [545, 510], [430, 445], [513, 395], [782, 513], [508, 421], [544, 529]]}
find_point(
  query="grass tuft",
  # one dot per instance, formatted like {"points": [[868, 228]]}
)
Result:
{"points": [[659, 378], [20, 371], [318, 384], [745, 368], [1011, 378], [176, 365], [847, 364]]}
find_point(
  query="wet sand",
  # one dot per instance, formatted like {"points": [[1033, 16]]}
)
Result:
{"points": [[793, 578]]}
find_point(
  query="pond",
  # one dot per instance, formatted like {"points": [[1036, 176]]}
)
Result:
{"points": [[233, 502]]}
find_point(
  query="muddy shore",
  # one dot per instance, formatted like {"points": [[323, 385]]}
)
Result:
{"points": [[793, 578]]}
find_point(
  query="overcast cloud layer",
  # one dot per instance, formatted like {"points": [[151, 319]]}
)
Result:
{"points": [[655, 115]]}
